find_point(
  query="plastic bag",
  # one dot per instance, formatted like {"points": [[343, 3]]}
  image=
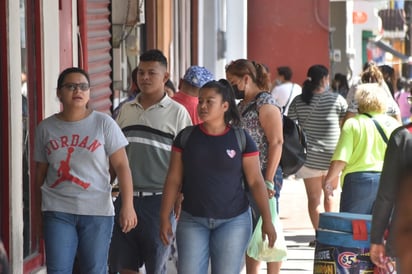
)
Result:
{"points": [[258, 248]]}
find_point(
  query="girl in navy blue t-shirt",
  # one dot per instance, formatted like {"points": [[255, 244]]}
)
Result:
{"points": [[208, 168]]}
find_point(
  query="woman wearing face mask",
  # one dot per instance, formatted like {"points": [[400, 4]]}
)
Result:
{"points": [[320, 113], [262, 118]]}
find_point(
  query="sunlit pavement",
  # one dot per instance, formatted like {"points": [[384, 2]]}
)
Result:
{"points": [[297, 228]]}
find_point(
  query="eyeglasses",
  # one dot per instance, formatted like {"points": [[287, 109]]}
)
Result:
{"points": [[73, 86]]}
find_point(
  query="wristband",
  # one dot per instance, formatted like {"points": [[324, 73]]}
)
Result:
{"points": [[270, 185]]}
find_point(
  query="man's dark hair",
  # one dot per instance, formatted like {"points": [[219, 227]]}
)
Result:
{"points": [[154, 55], [286, 72]]}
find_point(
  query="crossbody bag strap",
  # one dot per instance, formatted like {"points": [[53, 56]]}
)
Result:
{"points": [[253, 105], [249, 108], [381, 132], [310, 113], [287, 102]]}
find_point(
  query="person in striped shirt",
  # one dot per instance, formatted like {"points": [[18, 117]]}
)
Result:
{"points": [[320, 113]]}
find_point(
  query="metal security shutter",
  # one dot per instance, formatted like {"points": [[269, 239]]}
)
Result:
{"points": [[95, 50]]}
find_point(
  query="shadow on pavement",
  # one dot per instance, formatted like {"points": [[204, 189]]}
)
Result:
{"points": [[299, 239]]}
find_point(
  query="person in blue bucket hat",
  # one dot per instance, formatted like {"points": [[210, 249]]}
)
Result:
{"points": [[194, 78], [197, 76]]}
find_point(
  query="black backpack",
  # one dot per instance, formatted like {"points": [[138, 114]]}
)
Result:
{"points": [[294, 143], [294, 147]]}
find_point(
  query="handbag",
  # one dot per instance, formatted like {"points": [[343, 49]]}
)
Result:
{"points": [[259, 249], [294, 143]]}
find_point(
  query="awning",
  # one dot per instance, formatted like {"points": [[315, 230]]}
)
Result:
{"points": [[386, 47]]}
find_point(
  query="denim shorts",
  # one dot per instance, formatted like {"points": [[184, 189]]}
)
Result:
{"points": [[141, 245], [66, 235], [359, 192], [224, 241]]}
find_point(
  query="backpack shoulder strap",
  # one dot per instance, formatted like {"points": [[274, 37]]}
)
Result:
{"points": [[241, 138], [185, 135], [241, 141], [239, 132]]}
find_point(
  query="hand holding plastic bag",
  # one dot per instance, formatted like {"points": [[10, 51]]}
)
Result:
{"points": [[258, 248]]}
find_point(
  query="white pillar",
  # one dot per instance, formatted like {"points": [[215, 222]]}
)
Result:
{"points": [[15, 137]]}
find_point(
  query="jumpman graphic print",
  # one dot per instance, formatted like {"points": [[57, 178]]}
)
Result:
{"points": [[64, 172]]}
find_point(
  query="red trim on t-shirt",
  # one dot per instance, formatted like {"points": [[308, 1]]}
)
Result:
{"points": [[207, 133], [176, 149], [250, 154]]}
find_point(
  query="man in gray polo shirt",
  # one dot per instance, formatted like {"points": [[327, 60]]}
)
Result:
{"points": [[150, 123]]}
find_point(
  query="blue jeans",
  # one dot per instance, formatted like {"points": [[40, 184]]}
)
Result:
{"points": [[141, 245], [278, 180], [66, 235], [224, 241], [359, 192]]}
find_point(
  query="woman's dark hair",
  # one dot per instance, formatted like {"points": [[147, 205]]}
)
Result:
{"points": [[64, 73], [258, 72], [223, 87], [342, 80], [389, 77], [315, 75]]}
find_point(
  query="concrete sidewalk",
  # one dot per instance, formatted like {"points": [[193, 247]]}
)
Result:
{"points": [[297, 227]]}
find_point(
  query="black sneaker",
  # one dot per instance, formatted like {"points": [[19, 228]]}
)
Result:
{"points": [[312, 243]]}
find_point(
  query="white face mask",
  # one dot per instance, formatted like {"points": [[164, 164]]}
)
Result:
{"points": [[278, 82]]}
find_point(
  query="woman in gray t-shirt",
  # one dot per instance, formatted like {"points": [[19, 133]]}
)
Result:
{"points": [[73, 150]]}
